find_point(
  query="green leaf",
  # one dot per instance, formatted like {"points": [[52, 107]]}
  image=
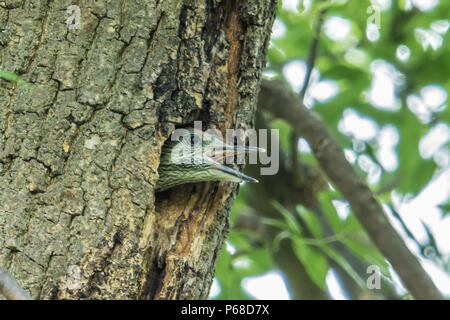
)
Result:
{"points": [[291, 221], [329, 210], [345, 266], [311, 221], [261, 261], [352, 225], [277, 223], [315, 263], [368, 253], [414, 171]]}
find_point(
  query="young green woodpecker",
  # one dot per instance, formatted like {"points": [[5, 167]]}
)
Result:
{"points": [[197, 156]]}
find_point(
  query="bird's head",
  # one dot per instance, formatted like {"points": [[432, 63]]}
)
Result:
{"points": [[194, 156]]}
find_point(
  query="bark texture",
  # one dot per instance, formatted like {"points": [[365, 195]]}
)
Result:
{"points": [[79, 151]]}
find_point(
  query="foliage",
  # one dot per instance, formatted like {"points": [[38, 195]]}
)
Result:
{"points": [[412, 47]]}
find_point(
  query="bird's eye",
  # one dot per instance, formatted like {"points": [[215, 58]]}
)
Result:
{"points": [[194, 139]]}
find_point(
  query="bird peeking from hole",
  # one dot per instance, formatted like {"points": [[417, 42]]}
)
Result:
{"points": [[192, 156]]}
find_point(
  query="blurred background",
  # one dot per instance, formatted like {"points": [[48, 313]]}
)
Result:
{"points": [[380, 82]]}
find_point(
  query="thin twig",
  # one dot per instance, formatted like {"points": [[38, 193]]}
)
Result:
{"points": [[313, 51], [10, 288]]}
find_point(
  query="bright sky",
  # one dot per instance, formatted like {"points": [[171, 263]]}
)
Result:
{"points": [[381, 94]]}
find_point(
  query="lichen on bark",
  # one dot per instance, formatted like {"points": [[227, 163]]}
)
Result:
{"points": [[79, 150]]}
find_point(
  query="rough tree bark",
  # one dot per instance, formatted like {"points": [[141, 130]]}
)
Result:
{"points": [[79, 151]]}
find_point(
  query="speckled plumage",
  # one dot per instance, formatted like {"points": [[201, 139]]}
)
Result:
{"points": [[195, 157]]}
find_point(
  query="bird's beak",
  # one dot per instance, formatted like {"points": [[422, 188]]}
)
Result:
{"points": [[235, 173], [229, 150], [243, 148]]}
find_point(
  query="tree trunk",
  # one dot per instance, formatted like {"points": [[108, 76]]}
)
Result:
{"points": [[79, 150]]}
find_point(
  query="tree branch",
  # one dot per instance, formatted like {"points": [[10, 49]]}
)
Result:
{"points": [[10, 288], [275, 98]]}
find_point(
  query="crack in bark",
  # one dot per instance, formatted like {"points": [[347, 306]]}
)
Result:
{"points": [[41, 36], [150, 41]]}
